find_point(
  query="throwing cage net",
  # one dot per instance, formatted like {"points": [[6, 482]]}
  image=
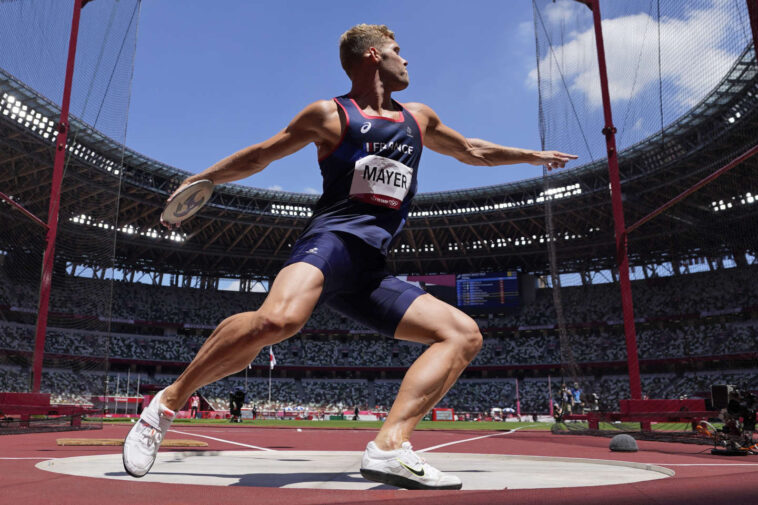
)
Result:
{"points": [[683, 93], [78, 343]]}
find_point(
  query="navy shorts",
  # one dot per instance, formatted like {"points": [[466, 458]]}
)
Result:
{"points": [[357, 283]]}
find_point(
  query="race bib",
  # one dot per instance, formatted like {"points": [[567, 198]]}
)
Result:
{"points": [[380, 181]]}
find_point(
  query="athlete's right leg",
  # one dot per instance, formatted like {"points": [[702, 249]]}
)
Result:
{"points": [[238, 339], [229, 349]]}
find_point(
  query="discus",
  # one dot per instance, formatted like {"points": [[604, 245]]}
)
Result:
{"points": [[187, 202]]}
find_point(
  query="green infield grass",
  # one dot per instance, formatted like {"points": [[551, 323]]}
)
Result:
{"points": [[348, 424], [576, 427]]}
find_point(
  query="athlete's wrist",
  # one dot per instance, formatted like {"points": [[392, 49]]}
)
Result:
{"points": [[535, 157], [199, 177]]}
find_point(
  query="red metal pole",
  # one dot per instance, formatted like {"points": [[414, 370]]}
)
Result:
{"points": [[518, 402], [22, 210], [752, 9], [707, 180], [55, 200], [549, 397], [618, 211]]}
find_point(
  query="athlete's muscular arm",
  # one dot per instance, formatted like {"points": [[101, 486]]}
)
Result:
{"points": [[312, 124], [443, 139]]}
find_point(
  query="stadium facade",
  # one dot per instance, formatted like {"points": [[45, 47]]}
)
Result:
{"points": [[246, 233]]}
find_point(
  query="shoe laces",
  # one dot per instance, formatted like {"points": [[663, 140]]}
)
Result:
{"points": [[407, 450], [151, 436]]}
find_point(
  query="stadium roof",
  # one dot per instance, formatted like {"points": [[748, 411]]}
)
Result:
{"points": [[247, 232]]}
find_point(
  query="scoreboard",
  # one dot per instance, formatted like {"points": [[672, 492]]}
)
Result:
{"points": [[488, 290]]}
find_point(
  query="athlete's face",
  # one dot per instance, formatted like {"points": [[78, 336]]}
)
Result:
{"points": [[392, 66]]}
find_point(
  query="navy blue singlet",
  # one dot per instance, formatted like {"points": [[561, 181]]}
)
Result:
{"points": [[370, 178]]}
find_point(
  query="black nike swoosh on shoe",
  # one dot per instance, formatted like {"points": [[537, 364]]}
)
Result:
{"points": [[420, 473]]}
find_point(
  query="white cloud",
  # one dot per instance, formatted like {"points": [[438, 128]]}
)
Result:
{"points": [[692, 55], [275, 187], [525, 30], [311, 191], [558, 12]]}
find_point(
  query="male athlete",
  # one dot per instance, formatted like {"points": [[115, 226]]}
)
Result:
{"points": [[369, 147]]}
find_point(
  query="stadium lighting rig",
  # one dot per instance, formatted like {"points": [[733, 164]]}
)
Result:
{"points": [[29, 118], [43, 126], [550, 194], [153, 233], [744, 199], [497, 243], [734, 118], [291, 210]]}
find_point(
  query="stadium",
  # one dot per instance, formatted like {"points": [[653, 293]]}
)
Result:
{"points": [[540, 264]]}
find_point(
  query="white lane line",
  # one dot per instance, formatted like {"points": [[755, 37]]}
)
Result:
{"points": [[222, 440], [475, 438], [41, 457], [704, 464]]}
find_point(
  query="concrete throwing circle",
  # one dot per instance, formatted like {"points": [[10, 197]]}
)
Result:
{"points": [[340, 469]]}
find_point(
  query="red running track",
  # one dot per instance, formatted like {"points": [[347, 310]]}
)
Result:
{"points": [[705, 480]]}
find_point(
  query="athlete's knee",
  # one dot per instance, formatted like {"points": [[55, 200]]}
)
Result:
{"points": [[464, 332], [278, 325], [472, 339]]}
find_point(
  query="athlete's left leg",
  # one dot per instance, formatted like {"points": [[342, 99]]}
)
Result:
{"points": [[455, 340]]}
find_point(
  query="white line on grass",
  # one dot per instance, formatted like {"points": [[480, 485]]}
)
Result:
{"points": [[222, 440], [475, 438]]}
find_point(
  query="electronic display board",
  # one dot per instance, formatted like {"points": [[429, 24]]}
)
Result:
{"points": [[488, 290]]}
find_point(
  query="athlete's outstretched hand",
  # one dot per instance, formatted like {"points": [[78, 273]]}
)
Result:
{"points": [[553, 159], [184, 183]]}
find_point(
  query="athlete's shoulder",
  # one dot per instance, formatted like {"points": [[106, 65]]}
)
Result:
{"points": [[423, 114], [316, 116], [418, 108], [320, 109]]}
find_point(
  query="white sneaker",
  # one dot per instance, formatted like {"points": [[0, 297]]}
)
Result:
{"points": [[142, 443], [404, 468]]}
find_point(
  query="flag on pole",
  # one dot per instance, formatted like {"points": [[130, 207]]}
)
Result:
{"points": [[549, 396], [518, 402], [271, 358]]}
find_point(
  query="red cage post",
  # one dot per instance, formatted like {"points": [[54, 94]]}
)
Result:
{"points": [[618, 210], [55, 199], [752, 9]]}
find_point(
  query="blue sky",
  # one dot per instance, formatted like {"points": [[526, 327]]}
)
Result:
{"points": [[213, 77]]}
